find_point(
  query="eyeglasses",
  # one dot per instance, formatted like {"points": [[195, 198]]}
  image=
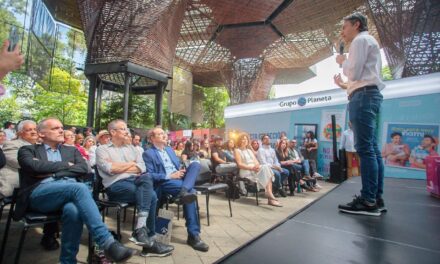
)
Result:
{"points": [[122, 128]]}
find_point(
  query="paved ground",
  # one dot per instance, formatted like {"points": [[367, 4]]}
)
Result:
{"points": [[223, 235]]}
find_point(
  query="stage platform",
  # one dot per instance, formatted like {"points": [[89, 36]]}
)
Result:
{"points": [[408, 233]]}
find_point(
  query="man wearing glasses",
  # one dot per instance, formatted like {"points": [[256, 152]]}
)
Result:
{"points": [[164, 166], [123, 175]]}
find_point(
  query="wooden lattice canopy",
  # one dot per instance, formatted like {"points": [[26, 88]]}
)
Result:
{"points": [[241, 44]]}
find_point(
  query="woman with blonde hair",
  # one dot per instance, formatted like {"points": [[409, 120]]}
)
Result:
{"points": [[88, 144], [251, 169]]}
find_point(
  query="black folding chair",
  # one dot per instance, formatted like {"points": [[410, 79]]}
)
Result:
{"points": [[104, 203], [209, 182], [30, 219]]}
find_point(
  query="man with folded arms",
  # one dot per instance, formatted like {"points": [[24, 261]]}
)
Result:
{"points": [[164, 166], [26, 135], [49, 173], [123, 175]]}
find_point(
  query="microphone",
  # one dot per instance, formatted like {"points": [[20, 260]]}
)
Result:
{"points": [[341, 51]]}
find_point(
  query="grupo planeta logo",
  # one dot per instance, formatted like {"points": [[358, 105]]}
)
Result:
{"points": [[302, 101]]}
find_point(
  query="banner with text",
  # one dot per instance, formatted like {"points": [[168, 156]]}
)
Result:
{"points": [[407, 145]]}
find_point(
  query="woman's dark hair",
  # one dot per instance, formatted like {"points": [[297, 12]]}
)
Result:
{"points": [[396, 134], [312, 135], [188, 146], [358, 17]]}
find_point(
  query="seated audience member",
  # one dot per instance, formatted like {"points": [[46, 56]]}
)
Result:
{"points": [[79, 140], [218, 158], [267, 156], [164, 166], [303, 165], [2, 159], [2, 138], [283, 157], [103, 138], [137, 143], [395, 153], [419, 153], [123, 175], [196, 145], [88, 132], [69, 138], [255, 146], [179, 149], [205, 150], [229, 150], [26, 135], [189, 154], [10, 131], [88, 144], [250, 168], [49, 175]]}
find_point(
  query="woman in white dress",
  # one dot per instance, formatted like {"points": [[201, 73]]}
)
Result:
{"points": [[251, 169]]}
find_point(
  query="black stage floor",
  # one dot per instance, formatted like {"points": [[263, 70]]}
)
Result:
{"points": [[408, 233]]}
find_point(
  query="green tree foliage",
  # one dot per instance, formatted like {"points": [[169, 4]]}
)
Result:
{"points": [[214, 104], [140, 114], [386, 74]]}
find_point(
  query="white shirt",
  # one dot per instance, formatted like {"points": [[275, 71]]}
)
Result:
{"points": [[10, 134], [347, 141], [364, 64], [267, 155]]}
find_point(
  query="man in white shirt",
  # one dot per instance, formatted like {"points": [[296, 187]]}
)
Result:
{"points": [[347, 144], [266, 155], [136, 141], [10, 131], [363, 70], [122, 170]]}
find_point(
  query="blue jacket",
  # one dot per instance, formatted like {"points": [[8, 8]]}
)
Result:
{"points": [[154, 164]]}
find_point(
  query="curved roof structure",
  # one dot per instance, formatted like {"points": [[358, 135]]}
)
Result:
{"points": [[240, 44]]}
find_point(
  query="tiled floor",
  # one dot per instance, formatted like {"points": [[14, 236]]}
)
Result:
{"points": [[223, 235]]}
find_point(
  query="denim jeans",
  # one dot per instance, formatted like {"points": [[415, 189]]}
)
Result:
{"points": [[304, 167], [280, 176], [363, 110], [173, 187], [78, 207], [138, 190]]}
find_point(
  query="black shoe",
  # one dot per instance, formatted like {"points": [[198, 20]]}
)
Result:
{"points": [[116, 252], [140, 237], [185, 197], [282, 193], [49, 242], [359, 206], [157, 250], [196, 243], [381, 205]]}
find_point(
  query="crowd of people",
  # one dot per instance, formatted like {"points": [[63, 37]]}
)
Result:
{"points": [[54, 162]]}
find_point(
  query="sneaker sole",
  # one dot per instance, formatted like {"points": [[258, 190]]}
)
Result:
{"points": [[383, 210], [156, 254], [361, 212], [132, 253], [134, 240]]}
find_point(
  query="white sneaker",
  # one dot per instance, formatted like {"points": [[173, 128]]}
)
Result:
{"points": [[318, 186], [318, 176]]}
